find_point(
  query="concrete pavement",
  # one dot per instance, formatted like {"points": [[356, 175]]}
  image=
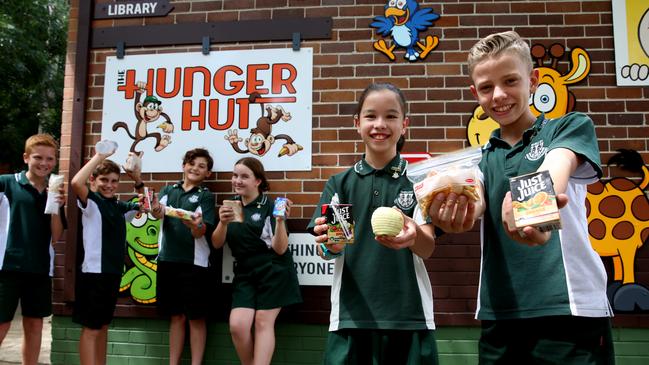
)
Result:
{"points": [[11, 348]]}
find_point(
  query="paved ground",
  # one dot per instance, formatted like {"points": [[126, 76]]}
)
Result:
{"points": [[10, 351]]}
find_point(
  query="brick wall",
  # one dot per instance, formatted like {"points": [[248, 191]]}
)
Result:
{"points": [[440, 106]]}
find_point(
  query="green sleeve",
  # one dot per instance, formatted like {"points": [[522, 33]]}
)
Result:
{"points": [[208, 208], [576, 132]]}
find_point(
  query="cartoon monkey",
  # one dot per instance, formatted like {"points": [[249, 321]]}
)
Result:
{"points": [[260, 137], [146, 112]]}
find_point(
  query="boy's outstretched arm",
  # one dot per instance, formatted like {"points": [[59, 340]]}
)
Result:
{"points": [[79, 181], [561, 163]]}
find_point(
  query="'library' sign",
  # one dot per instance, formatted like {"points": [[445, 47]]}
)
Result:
{"points": [[132, 9]]}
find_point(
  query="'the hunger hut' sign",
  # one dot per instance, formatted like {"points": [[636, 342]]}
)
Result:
{"points": [[234, 103]]}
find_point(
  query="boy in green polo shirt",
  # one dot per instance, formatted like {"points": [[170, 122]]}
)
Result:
{"points": [[26, 234], [104, 242], [381, 297], [542, 295], [184, 255]]}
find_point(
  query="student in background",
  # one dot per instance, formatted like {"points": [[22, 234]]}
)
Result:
{"points": [[184, 255], [26, 253], [264, 277], [104, 245]]}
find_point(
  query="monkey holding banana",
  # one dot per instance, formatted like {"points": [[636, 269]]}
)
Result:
{"points": [[147, 112], [261, 138]]}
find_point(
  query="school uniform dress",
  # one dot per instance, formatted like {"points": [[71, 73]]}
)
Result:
{"points": [[376, 288], [26, 253], [263, 279], [563, 277], [104, 247], [183, 260]]}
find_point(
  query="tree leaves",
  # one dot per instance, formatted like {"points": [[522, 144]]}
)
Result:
{"points": [[33, 37]]}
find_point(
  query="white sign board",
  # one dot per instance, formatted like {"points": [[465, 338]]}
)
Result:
{"points": [[249, 103], [311, 269]]}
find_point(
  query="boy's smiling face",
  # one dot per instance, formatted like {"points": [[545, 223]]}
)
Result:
{"points": [[106, 184], [196, 170], [503, 85], [40, 160]]}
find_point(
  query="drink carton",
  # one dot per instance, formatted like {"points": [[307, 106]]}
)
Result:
{"points": [[534, 201]]}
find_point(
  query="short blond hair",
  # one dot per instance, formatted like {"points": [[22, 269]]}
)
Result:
{"points": [[495, 44], [41, 139]]}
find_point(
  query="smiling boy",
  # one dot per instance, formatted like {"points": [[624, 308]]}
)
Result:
{"points": [[104, 242], [542, 295], [184, 255], [26, 234]]}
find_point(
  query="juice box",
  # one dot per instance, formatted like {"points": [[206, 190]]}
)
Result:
{"points": [[279, 209], [534, 201], [147, 198], [340, 222]]}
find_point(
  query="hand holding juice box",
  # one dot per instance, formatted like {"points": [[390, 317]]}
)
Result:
{"points": [[534, 201], [237, 208]]}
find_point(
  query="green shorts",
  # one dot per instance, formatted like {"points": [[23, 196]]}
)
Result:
{"points": [[565, 340], [266, 283], [381, 347], [34, 291]]}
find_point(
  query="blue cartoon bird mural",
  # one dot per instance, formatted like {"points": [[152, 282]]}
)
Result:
{"points": [[403, 20]]}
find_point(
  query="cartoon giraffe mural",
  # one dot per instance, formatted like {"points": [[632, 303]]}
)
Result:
{"points": [[618, 210], [618, 225]]}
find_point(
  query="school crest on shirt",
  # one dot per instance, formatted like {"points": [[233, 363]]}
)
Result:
{"points": [[193, 199], [537, 150], [256, 217], [405, 200]]}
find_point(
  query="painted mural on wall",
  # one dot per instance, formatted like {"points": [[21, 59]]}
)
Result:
{"points": [[139, 278], [631, 35], [618, 209], [253, 102], [402, 21], [618, 225]]}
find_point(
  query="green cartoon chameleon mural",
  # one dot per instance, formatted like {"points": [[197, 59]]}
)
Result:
{"points": [[142, 249]]}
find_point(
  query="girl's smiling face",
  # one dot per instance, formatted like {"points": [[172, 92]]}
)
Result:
{"points": [[381, 122], [244, 182]]}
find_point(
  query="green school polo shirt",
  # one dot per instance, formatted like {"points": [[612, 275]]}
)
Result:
{"points": [[251, 240], [104, 233], [25, 232], [565, 276], [175, 241], [375, 287]]}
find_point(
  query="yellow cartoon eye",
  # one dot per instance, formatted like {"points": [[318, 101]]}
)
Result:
{"points": [[545, 98]]}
